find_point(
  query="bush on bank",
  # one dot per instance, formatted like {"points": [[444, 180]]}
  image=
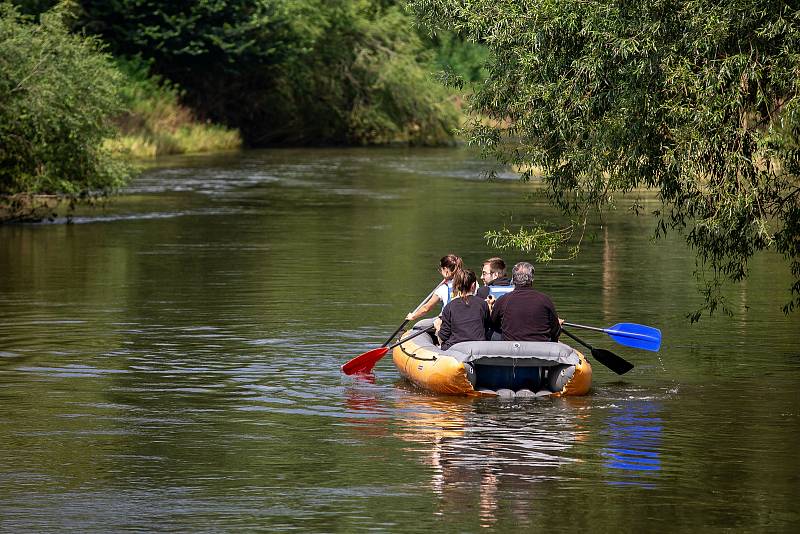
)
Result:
{"points": [[367, 81], [58, 96], [70, 115]]}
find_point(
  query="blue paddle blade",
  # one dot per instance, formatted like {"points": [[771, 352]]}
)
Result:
{"points": [[636, 335]]}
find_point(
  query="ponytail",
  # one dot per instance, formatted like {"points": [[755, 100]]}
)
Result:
{"points": [[463, 281], [453, 263]]}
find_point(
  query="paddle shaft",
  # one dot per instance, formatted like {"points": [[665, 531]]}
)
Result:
{"points": [[415, 311], [395, 333], [576, 338], [585, 327], [404, 339], [614, 362]]}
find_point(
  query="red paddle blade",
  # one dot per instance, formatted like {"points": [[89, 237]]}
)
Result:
{"points": [[363, 363]]}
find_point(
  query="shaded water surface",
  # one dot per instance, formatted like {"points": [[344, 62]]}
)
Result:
{"points": [[170, 362]]}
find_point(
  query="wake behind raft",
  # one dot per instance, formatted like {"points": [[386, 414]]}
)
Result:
{"points": [[498, 368]]}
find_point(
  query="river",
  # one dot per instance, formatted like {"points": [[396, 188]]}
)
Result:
{"points": [[170, 362]]}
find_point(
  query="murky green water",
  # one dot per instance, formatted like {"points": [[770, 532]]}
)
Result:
{"points": [[171, 363]]}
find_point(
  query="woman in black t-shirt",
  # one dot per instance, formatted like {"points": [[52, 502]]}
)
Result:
{"points": [[466, 317]]}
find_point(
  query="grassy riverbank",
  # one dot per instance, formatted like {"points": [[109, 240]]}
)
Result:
{"points": [[152, 123], [89, 88], [157, 124]]}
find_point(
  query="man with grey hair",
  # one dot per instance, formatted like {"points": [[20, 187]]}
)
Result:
{"points": [[526, 314]]}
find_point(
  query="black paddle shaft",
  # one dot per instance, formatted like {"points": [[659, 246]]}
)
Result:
{"points": [[403, 340], [616, 363], [415, 311], [395, 333]]}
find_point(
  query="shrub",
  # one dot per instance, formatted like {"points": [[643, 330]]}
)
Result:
{"points": [[58, 95]]}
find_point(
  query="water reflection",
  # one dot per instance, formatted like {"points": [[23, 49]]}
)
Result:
{"points": [[365, 410], [634, 444], [487, 455]]}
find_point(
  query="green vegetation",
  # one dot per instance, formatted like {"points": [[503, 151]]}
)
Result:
{"points": [[155, 123], [58, 94], [209, 75], [288, 71], [463, 59], [386, 94], [697, 99]]}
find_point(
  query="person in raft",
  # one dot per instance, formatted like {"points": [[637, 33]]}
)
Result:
{"points": [[448, 266], [526, 314], [493, 274], [466, 317]]}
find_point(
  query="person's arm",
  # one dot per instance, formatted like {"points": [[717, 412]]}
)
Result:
{"points": [[490, 301], [487, 321], [555, 324], [424, 309], [445, 330]]}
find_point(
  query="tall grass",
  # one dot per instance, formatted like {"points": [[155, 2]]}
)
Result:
{"points": [[157, 124]]}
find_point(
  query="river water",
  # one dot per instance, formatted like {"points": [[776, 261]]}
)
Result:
{"points": [[170, 362]]}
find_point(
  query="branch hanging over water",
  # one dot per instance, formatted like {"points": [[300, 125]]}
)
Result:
{"points": [[542, 242]]}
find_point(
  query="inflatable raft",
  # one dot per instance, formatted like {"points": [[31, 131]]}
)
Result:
{"points": [[504, 368]]}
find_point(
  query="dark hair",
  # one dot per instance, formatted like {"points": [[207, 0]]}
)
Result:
{"points": [[496, 265], [463, 281], [452, 262]]}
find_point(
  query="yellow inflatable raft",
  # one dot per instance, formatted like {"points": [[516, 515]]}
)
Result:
{"points": [[504, 368]]}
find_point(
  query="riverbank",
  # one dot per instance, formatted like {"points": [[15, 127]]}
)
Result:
{"points": [[156, 123], [188, 138], [135, 89], [25, 207]]}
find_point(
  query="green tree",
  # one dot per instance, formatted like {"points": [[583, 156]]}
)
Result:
{"points": [[58, 94], [697, 99], [286, 71], [196, 39], [223, 53], [464, 59], [367, 80]]}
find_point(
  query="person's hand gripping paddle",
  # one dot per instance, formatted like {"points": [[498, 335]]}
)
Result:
{"points": [[363, 363]]}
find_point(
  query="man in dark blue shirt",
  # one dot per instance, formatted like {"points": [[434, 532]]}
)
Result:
{"points": [[526, 314]]}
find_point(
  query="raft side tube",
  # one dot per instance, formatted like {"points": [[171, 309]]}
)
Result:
{"points": [[529, 368]]}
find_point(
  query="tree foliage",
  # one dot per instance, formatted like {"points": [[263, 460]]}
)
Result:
{"points": [[286, 71], [367, 80], [697, 99], [456, 56], [58, 93]]}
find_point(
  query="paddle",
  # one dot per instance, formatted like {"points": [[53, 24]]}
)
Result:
{"points": [[630, 334], [616, 363], [363, 363], [415, 311]]}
